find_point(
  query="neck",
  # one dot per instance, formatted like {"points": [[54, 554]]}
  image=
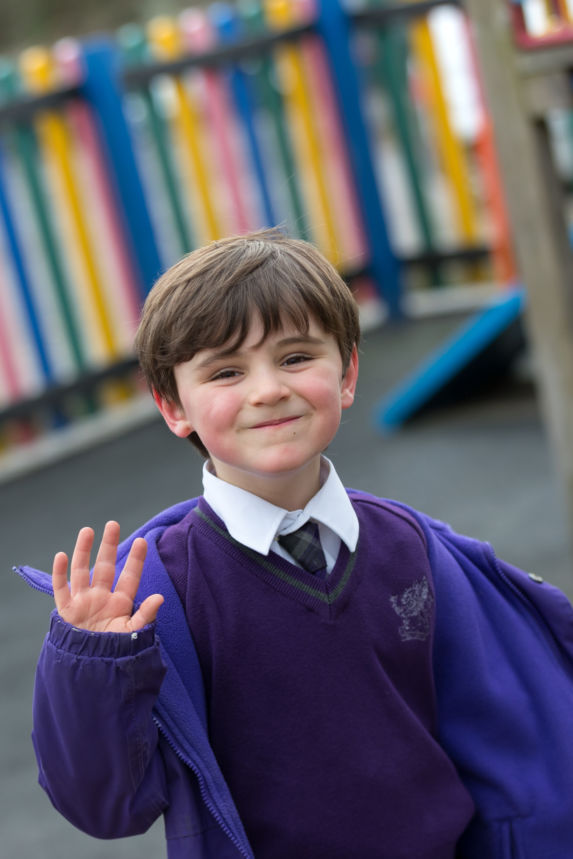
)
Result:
{"points": [[291, 491]]}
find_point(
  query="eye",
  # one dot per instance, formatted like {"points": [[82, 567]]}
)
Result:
{"points": [[298, 358], [226, 373]]}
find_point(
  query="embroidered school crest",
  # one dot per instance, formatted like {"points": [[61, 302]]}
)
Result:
{"points": [[414, 607]]}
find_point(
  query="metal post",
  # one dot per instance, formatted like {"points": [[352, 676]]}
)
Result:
{"points": [[536, 211]]}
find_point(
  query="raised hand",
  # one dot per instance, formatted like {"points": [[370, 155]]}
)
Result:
{"points": [[94, 605]]}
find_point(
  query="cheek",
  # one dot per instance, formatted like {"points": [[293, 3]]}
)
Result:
{"points": [[215, 414], [324, 392]]}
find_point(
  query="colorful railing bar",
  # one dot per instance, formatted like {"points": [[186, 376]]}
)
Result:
{"points": [[218, 76], [415, 47], [135, 53], [448, 143], [46, 152], [279, 14], [17, 253], [382, 263], [56, 143], [187, 129], [199, 34], [229, 29], [240, 51], [252, 15], [9, 369], [102, 91], [26, 148], [12, 326], [391, 68], [119, 286], [343, 198], [47, 143]]}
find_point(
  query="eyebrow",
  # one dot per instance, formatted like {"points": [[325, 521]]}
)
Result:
{"points": [[300, 338], [224, 354]]}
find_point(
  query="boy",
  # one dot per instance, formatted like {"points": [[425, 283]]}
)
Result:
{"points": [[299, 670]]}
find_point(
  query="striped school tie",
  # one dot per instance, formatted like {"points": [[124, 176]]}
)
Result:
{"points": [[304, 546]]}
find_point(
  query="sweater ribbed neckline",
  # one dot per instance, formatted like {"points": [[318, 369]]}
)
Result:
{"points": [[324, 595]]}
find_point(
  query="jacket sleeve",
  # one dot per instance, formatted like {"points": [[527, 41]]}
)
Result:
{"points": [[504, 679], [94, 736]]}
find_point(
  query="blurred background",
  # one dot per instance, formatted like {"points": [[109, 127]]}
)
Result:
{"points": [[425, 147], [37, 21]]}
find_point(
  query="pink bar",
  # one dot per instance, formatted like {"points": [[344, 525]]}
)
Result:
{"points": [[7, 364], [346, 209], [66, 53], [199, 36]]}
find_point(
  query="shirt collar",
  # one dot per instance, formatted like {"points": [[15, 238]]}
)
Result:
{"points": [[255, 522]]}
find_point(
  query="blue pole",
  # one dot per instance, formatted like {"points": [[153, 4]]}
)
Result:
{"points": [[14, 246], [334, 27], [228, 27], [102, 89]]}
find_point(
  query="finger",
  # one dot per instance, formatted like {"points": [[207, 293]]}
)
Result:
{"points": [[147, 612], [104, 567], [60, 581], [128, 582], [80, 566]]}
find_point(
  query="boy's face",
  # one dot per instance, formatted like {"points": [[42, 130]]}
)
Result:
{"points": [[266, 411]]}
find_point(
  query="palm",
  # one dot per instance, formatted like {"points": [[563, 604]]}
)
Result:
{"points": [[92, 603], [99, 611]]}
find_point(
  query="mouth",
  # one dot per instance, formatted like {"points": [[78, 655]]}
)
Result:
{"points": [[277, 422]]}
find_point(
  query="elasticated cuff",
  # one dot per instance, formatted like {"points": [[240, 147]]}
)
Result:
{"points": [[112, 645]]}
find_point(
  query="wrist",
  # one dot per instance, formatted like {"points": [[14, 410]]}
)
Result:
{"points": [[85, 643]]}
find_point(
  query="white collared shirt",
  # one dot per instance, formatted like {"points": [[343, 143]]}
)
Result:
{"points": [[256, 523]]}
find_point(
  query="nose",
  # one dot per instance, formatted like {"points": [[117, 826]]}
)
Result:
{"points": [[266, 387]]}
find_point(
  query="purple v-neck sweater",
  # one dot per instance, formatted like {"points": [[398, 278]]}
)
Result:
{"points": [[320, 694]]}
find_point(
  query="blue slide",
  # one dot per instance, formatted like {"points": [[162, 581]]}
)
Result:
{"points": [[484, 344]]}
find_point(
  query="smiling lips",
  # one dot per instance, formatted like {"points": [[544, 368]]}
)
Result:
{"points": [[277, 422]]}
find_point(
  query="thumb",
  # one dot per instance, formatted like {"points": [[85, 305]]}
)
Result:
{"points": [[147, 612]]}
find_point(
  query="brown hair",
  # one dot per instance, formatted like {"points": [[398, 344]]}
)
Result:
{"points": [[207, 300]]}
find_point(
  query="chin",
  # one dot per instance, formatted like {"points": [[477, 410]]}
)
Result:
{"points": [[284, 464]]}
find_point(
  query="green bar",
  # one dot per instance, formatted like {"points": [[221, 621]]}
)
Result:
{"points": [[133, 45], [391, 67], [26, 147], [251, 13]]}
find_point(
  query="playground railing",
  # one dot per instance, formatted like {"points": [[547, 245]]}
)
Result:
{"points": [[119, 155]]}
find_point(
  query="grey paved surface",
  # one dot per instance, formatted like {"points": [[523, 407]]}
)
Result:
{"points": [[483, 466]]}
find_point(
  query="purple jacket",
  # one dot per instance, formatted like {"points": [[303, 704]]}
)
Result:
{"points": [[503, 659]]}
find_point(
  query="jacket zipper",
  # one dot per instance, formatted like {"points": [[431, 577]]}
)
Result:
{"points": [[203, 790]]}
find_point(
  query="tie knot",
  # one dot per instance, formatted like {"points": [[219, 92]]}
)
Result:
{"points": [[304, 546]]}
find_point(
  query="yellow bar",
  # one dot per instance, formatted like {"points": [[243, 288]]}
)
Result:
{"points": [[450, 148], [37, 69], [305, 137], [165, 42], [550, 13], [565, 11]]}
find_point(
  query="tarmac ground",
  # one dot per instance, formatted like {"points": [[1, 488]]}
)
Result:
{"points": [[482, 464]]}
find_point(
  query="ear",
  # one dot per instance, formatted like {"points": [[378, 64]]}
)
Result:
{"points": [[174, 416], [349, 380]]}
